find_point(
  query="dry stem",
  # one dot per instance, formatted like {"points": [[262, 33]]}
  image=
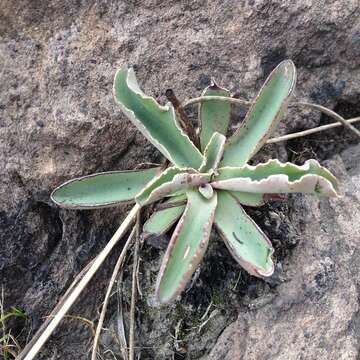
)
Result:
{"points": [[133, 290], [117, 267], [246, 103], [73, 296]]}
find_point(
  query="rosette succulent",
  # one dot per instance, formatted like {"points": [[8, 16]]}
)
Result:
{"points": [[206, 186]]}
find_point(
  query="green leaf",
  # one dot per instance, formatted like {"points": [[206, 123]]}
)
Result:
{"points": [[214, 115], [262, 117], [162, 220], [246, 242], [274, 177], [157, 123], [13, 312], [170, 182], [187, 246], [213, 152], [165, 177], [102, 189]]}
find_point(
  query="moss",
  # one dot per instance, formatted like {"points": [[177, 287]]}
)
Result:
{"points": [[218, 298]]}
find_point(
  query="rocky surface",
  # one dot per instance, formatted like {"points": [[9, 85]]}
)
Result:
{"points": [[58, 120], [315, 312]]}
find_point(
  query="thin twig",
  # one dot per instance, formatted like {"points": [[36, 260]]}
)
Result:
{"points": [[183, 118], [221, 98], [120, 319], [212, 315], [82, 284], [16, 344], [133, 290], [330, 113], [176, 337], [246, 103], [309, 131], [117, 267], [207, 311], [237, 281], [138, 279], [42, 328]]}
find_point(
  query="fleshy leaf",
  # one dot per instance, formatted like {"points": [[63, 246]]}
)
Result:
{"points": [[157, 123], [187, 246], [162, 220], [214, 115], [247, 243], [275, 177], [165, 177], [213, 152], [102, 189], [206, 191], [170, 182], [262, 117]]}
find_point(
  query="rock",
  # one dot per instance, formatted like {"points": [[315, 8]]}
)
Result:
{"points": [[58, 120], [315, 313]]}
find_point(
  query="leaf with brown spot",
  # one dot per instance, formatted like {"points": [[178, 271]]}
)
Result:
{"points": [[249, 246], [102, 189], [170, 182]]}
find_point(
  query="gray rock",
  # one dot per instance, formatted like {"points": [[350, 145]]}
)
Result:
{"points": [[58, 120], [315, 313]]}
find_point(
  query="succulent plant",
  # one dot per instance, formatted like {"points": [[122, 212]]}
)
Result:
{"points": [[203, 186]]}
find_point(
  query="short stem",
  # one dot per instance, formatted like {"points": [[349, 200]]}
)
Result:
{"points": [[330, 113], [82, 283], [184, 120]]}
